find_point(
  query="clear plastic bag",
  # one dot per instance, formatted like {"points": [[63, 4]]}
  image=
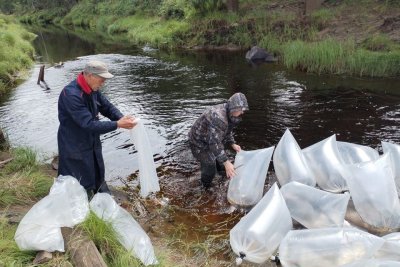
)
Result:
{"points": [[353, 153], [324, 161], [247, 186], [374, 193], [328, 247], [129, 232], [391, 248], [394, 151], [290, 163], [147, 169], [314, 208], [258, 234], [373, 263], [65, 206]]}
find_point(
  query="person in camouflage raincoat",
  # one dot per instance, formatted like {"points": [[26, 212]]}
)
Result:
{"points": [[211, 132]]}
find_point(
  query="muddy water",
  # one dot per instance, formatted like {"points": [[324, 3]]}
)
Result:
{"points": [[169, 91]]}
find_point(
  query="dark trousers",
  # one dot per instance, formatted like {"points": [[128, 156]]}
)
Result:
{"points": [[208, 171]]}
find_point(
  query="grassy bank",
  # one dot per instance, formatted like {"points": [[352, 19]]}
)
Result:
{"points": [[16, 53], [342, 37]]}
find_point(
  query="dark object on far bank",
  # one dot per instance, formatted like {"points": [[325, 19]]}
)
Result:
{"points": [[259, 54]]}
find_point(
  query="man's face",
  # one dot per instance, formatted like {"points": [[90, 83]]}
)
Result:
{"points": [[237, 113], [95, 81]]}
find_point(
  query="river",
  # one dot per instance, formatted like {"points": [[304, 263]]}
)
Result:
{"points": [[169, 90]]}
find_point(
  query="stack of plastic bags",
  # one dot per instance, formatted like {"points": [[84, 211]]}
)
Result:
{"points": [[317, 184]]}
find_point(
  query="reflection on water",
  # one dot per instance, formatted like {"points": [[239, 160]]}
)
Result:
{"points": [[168, 91]]}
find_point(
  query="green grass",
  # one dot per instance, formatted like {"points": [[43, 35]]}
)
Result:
{"points": [[16, 51], [173, 24], [153, 30], [11, 255], [21, 181], [105, 239], [331, 56]]}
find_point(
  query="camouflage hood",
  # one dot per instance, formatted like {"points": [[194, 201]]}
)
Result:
{"points": [[237, 102]]}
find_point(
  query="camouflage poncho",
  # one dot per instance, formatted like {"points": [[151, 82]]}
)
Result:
{"points": [[213, 129]]}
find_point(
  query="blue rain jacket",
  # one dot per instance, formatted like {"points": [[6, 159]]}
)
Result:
{"points": [[79, 146]]}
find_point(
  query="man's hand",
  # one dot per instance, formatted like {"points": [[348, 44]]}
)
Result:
{"points": [[229, 169], [127, 122], [236, 147]]}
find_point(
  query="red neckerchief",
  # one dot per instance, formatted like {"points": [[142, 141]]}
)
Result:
{"points": [[83, 84]]}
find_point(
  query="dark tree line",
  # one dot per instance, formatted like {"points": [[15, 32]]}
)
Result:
{"points": [[20, 6], [11, 6]]}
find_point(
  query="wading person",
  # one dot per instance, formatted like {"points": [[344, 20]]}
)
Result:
{"points": [[211, 132], [79, 146]]}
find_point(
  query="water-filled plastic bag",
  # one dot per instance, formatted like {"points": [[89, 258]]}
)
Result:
{"points": [[314, 208], [328, 247], [373, 191], [247, 186], [354, 153], [290, 163], [373, 263], [394, 151], [324, 161], [391, 248], [257, 235]]}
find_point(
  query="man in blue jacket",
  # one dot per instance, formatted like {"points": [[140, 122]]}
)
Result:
{"points": [[211, 132], [79, 146]]}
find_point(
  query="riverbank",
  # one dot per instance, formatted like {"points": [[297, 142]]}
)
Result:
{"points": [[360, 38], [16, 54], [23, 182]]}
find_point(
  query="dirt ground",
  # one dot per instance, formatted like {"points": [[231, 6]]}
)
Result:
{"points": [[357, 20]]}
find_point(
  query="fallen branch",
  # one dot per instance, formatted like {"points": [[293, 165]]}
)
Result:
{"points": [[4, 162]]}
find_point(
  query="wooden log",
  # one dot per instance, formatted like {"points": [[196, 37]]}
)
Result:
{"points": [[41, 75], [4, 162], [82, 250]]}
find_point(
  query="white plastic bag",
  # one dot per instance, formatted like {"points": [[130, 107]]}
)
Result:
{"points": [[374, 193], [247, 186], [315, 208], [394, 151], [147, 169], [129, 232], [353, 153], [289, 162], [325, 162], [65, 206], [391, 248], [373, 263], [328, 247], [257, 235]]}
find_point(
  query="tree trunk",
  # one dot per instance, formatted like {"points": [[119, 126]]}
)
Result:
{"points": [[232, 5]]}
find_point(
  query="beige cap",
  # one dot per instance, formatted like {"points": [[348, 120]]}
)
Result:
{"points": [[99, 68]]}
